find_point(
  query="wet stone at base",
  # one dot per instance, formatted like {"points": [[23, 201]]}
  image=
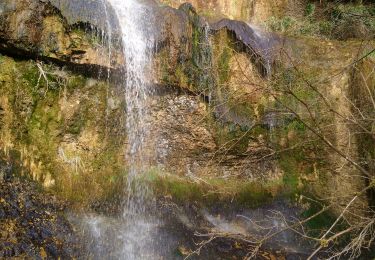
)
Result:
{"points": [[31, 223]]}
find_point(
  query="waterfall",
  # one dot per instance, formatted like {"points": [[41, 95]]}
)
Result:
{"points": [[136, 25], [133, 235], [135, 21]]}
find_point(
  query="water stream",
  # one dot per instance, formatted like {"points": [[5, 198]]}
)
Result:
{"points": [[131, 237], [139, 232], [135, 20]]}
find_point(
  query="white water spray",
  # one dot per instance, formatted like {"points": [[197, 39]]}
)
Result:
{"points": [[135, 20], [133, 236]]}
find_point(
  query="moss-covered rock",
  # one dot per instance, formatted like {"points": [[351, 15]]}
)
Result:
{"points": [[58, 122], [223, 106], [362, 92], [39, 30], [32, 223]]}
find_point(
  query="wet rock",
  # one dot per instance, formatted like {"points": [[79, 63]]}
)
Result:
{"points": [[38, 29], [5, 171], [98, 13], [172, 28], [262, 44], [61, 31], [244, 10], [36, 231]]}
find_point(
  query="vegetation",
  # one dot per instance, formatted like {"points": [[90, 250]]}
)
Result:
{"points": [[310, 148], [210, 191], [51, 106], [330, 20], [55, 125]]}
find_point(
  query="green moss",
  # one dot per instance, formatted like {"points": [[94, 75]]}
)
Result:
{"points": [[297, 126], [166, 76], [175, 74], [289, 165], [322, 29], [43, 126], [235, 114], [76, 82], [310, 9], [296, 161], [199, 69], [293, 132], [224, 66], [253, 195], [38, 126], [31, 75], [321, 222], [293, 87], [232, 137], [86, 37], [182, 79], [180, 191], [209, 191], [77, 125], [283, 24]]}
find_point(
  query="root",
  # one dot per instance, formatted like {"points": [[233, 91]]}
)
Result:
{"points": [[43, 74]]}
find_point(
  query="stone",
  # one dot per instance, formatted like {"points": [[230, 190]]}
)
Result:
{"points": [[34, 231], [38, 29], [212, 110]]}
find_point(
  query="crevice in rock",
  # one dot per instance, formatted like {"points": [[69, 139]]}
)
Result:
{"points": [[88, 70]]}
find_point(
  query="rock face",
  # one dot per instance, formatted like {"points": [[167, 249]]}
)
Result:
{"points": [[187, 139], [327, 90], [47, 127], [263, 46], [32, 225], [220, 108], [70, 135], [97, 13], [39, 30], [255, 11]]}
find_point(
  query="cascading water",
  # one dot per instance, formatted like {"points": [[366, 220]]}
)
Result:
{"points": [[138, 233], [134, 235], [135, 20]]}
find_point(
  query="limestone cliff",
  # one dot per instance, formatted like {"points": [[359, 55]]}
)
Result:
{"points": [[220, 108]]}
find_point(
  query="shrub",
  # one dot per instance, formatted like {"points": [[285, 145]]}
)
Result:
{"points": [[283, 24], [310, 9], [353, 21], [343, 21]]}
